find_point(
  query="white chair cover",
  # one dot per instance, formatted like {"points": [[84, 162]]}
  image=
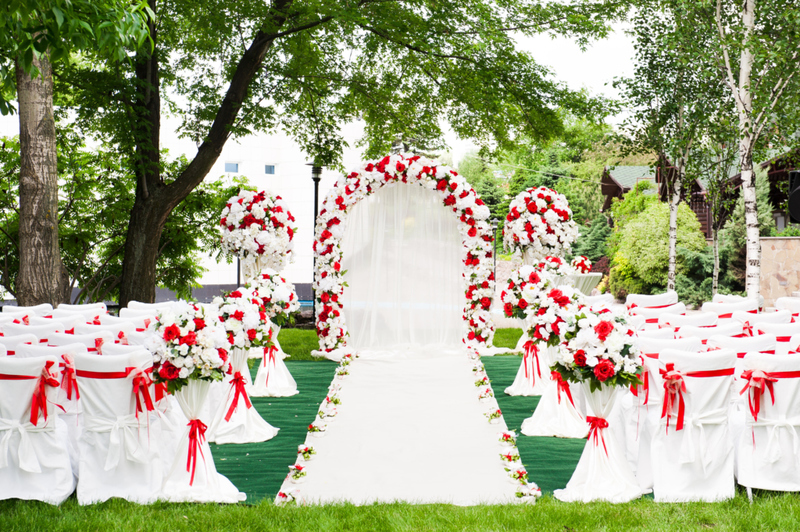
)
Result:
{"points": [[658, 300], [138, 305], [725, 310], [42, 332], [558, 412], [696, 462], [603, 472], [768, 447], [12, 342], [236, 420], [98, 342], [121, 331], [732, 328], [81, 314], [600, 301], [99, 307], [781, 330], [696, 319], [780, 316], [118, 449], [745, 344], [198, 481], [662, 334], [34, 460], [652, 315], [792, 304], [142, 319], [34, 310], [731, 298]]}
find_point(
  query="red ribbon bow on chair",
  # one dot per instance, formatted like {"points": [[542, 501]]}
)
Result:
{"points": [[757, 383], [674, 387], [39, 402], [238, 386], [98, 345], [595, 425], [561, 386], [531, 350], [747, 329], [141, 390], [68, 380], [197, 434]]}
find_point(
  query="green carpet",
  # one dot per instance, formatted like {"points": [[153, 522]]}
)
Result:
{"points": [[549, 461], [258, 469]]}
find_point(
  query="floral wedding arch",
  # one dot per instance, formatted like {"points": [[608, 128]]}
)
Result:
{"points": [[476, 236]]}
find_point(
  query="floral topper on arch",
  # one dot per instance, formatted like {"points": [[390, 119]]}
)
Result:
{"points": [[539, 223], [476, 236]]}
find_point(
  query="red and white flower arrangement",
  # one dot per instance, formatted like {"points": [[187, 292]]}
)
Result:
{"points": [[296, 473], [525, 285], [455, 193], [598, 349], [277, 296], [305, 452], [244, 320], [494, 415], [510, 456], [550, 313], [581, 264], [539, 223], [188, 345], [508, 437], [258, 226]]}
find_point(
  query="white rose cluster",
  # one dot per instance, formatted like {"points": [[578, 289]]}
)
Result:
{"points": [[276, 294], [258, 227], [539, 223], [189, 344], [455, 192]]}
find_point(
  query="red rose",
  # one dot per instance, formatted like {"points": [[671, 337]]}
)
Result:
{"points": [[238, 315], [486, 302], [325, 297], [579, 358], [189, 339], [604, 370], [168, 372], [522, 304], [199, 324], [509, 309], [171, 332], [222, 354], [603, 329], [251, 334], [534, 278], [558, 297]]}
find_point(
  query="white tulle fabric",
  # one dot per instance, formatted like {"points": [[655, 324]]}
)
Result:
{"points": [[34, 462], [119, 451], [696, 463], [533, 375], [603, 473], [245, 425], [409, 428], [273, 378], [768, 447], [208, 484], [557, 415], [403, 255]]}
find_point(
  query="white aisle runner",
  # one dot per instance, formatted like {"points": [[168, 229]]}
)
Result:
{"points": [[410, 427]]}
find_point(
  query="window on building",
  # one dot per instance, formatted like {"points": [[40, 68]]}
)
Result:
{"points": [[269, 169], [232, 167]]}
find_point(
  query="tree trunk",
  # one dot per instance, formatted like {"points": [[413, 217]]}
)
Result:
{"points": [[715, 275], [746, 141], [674, 200], [155, 199], [42, 277]]}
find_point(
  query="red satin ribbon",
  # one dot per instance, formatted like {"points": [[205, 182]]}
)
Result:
{"points": [[747, 329], [238, 385], [595, 425], [531, 350], [161, 390], [633, 305], [69, 331], [68, 380], [197, 434], [561, 386], [725, 316], [269, 353], [651, 320], [783, 338], [98, 345], [39, 398], [760, 381], [674, 388]]}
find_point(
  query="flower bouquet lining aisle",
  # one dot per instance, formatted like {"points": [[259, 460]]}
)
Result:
{"points": [[599, 354]]}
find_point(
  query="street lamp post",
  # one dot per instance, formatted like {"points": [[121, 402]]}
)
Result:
{"points": [[316, 175]]}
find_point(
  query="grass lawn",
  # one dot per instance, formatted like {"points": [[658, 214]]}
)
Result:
{"points": [[770, 511]]}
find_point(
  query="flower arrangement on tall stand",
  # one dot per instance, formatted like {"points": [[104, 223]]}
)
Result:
{"points": [[188, 355], [279, 300], [598, 353], [247, 328], [539, 223], [258, 228]]}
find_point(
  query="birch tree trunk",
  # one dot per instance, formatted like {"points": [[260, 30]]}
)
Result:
{"points": [[745, 108], [715, 275], [674, 200], [42, 278]]}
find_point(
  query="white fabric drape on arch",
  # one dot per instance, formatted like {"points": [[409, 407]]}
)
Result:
{"points": [[403, 254]]}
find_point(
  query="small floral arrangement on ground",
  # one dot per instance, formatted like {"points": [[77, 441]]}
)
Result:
{"points": [[539, 223], [285, 497], [598, 348], [479, 367], [528, 490], [244, 320], [317, 426], [518, 474], [333, 399], [257, 224], [276, 295], [346, 360], [341, 371], [327, 410], [508, 437], [482, 382], [494, 415], [511, 456], [306, 451], [486, 394], [188, 345], [581, 264], [296, 472]]}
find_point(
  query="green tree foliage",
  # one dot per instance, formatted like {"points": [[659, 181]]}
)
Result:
{"points": [[640, 262], [95, 198], [592, 242]]}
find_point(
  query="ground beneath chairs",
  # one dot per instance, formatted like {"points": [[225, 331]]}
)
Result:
{"points": [[259, 469]]}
